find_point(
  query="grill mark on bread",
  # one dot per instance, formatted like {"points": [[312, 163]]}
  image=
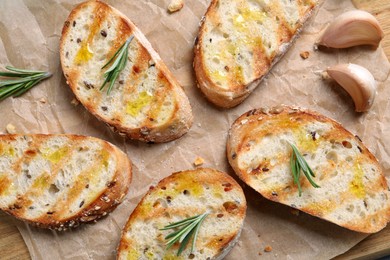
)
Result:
{"points": [[101, 12], [84, 178], [159, 96], [123, 33], [29, 155], [45, 179]]}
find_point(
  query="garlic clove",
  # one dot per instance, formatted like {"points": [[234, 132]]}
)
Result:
{"points": [[357, 81], [352, 28]]}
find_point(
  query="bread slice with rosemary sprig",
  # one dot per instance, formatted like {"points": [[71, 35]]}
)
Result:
{"points": [[194, 214], [115, 73], [239, 42], [310, 162], [60, 181]]}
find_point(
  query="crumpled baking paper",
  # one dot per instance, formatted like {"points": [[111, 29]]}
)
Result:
{"points": [[29, 38]]}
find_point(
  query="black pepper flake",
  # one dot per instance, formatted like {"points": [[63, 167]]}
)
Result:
{"points": [[169, 199], [313, 135], [103, 33], [88, 85], [358, 138], [67, 23], [111, 184], [121, 81], [191, 256], [360, 149], [78, 40], [67, 54], [104, 108], [50, 212], [211, 40], [185, 192], [274, 193], [234, 156], [31, 207], [220, 215], [47, 204], [365, 203], [265, 169], [87, 186], [74, 23], [81, 204]]}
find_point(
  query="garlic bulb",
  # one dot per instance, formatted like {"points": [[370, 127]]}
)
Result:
{"points": [[351, 29], [357, 81]]}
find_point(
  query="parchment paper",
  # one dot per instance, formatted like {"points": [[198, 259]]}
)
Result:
{"points": [[29, 38]]}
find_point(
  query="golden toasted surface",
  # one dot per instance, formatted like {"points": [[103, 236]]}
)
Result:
{"points": [[179, 196], [353, 191], [146, 102], [240, 40], [58, 181]]}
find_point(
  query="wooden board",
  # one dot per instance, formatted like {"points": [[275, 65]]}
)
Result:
{"points": [[12, 245]]}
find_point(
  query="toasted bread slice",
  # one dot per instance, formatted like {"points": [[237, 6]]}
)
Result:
{"points": [[353, 191], [180, 196], [240, 40], [146, 103], [60, 181]]}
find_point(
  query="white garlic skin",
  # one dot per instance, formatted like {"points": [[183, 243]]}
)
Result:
{"points": [[350, 29], [358, 82]]}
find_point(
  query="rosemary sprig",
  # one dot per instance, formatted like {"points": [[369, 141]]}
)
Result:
{"points": [[184, 229], [24, 80], [298, 164], [118, 61]]}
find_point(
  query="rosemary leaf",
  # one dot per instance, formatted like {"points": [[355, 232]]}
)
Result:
{"points": [[118, 60], [18, 81], [298, 164], [184, 230]]}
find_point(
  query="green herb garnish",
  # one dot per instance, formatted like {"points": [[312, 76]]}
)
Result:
{"points": [[118, 61], [24, 80], [298, 164], [184, 229]]}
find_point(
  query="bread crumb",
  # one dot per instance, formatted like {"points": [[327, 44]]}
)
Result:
{"points": [[268, 249], [198, 161], [295, 212], [74, 102], [43, 100], [175, 5], [11, 129], [304, 55]]}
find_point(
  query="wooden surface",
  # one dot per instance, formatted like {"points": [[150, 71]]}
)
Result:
{"points": [[377, 245]]}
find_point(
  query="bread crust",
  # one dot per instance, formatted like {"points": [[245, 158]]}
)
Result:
{"points": [[107, 200], [206, 177], [236, 94], [360, 182], [181, 118]]}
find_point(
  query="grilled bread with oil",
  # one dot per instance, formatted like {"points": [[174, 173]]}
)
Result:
{"points": [[60, 181], [146, 103], [240, 40], [353, 191], [177, 197]]}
